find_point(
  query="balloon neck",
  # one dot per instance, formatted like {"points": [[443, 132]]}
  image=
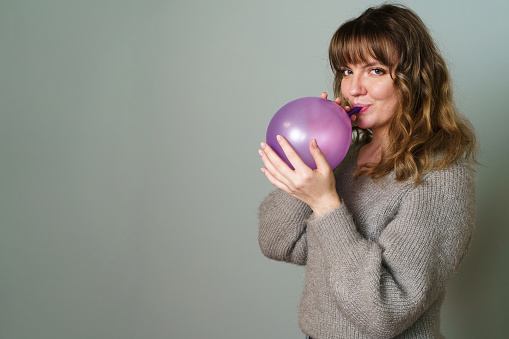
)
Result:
{"points": [[353, 111]]}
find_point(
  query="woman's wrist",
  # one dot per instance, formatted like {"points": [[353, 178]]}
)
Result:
{"points": [[327, 205]]}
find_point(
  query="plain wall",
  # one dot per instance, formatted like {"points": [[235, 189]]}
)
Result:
{"points": [[129, 173]]}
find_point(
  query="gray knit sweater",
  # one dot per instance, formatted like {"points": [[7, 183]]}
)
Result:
{"points": [[377, 266]]}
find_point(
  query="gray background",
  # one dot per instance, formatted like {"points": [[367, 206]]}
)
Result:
{"points": [[129, 174]]}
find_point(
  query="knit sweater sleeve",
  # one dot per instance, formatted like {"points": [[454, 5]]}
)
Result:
{"points": [[282, 227], [383, 286]]}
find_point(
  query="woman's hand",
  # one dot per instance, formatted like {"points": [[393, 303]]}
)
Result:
{"points": [[316, 188]]}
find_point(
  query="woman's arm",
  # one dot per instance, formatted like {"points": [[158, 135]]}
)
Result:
{"points": [[385, 286], [300, 193], [282, 227]]}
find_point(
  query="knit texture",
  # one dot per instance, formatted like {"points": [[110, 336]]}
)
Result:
{"points": [[377, 266]]}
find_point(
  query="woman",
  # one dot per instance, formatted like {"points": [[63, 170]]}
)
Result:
{"points": [[383, 233]]}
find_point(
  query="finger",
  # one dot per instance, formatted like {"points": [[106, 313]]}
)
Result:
{"points": [[322, 165], [338, 101], [274, 181], [353, 117], [290, 153], [278, 169], [324, 95]]}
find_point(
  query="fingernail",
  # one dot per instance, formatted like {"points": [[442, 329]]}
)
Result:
{"points": [[260, 152], [278, 138], [262, 144], [314, 143]]}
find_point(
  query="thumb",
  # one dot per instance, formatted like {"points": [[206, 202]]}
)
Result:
{"points": [[322, 165]]}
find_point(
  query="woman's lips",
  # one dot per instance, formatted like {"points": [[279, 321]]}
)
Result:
{"points": [[364, 108]]}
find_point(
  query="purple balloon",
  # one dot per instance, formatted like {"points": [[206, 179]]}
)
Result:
{"points": [[304, 119]]}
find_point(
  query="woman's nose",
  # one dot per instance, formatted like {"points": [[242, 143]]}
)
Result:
{"points": [[356, 86]]}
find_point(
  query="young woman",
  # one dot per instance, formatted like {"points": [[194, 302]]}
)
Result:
{"points": [[383, 233]]}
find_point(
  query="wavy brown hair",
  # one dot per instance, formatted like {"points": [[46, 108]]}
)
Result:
{"points": [[427, 132]]}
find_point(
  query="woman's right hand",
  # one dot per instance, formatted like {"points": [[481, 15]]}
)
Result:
{"points": [[338, 101]]}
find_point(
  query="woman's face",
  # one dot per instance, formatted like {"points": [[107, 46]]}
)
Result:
{"points": [[370, 86]]}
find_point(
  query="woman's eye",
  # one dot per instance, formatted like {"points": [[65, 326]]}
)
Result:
{"points": [[377, 71]]}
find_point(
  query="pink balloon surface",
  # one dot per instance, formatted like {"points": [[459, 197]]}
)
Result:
{"points": [[304, 119]]}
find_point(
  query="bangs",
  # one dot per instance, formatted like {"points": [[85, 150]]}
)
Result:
{"points": [[354, 44]]}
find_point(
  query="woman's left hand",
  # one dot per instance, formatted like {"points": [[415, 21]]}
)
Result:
{"points": [[316, 188]]}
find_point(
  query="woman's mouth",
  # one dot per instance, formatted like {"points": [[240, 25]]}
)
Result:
{"points": [[364, 108]]}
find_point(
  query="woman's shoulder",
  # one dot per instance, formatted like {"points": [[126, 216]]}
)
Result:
{"points": [[456, 178], [456, 181], [458, 171]]}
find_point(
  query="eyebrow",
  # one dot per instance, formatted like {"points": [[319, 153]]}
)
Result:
{"points": [[370, 64]]}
